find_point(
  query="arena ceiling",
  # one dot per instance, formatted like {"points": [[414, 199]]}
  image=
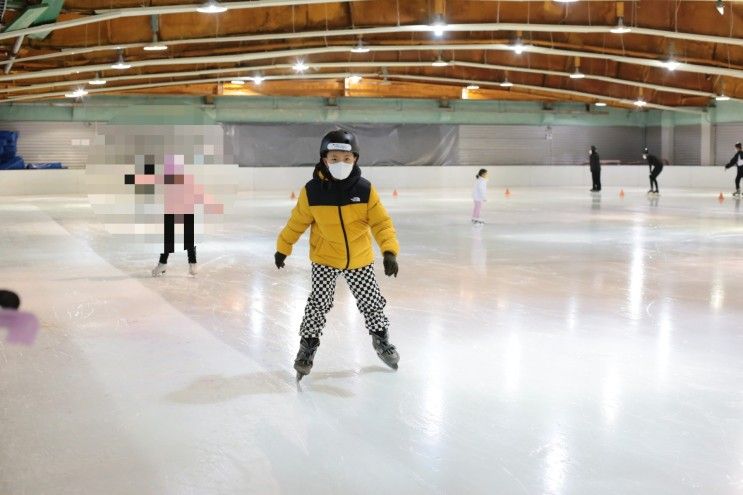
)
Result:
{"points": [[635, 54]]}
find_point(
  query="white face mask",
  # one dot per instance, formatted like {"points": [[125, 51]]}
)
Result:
{"points": [[340, 170]]}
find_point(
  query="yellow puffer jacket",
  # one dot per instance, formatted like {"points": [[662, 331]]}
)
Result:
{"points": [[343, 216]]}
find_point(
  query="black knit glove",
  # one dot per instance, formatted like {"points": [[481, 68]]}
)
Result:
{"points": [[279, 259], [728, 166], [390, 264]]}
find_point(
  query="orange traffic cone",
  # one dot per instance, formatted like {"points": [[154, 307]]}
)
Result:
{"points": [[508, 192], [293, 196], [721, 198], [394, 193], [621, 193]]}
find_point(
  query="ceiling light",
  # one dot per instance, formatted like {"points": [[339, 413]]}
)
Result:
{"points": [[506, 84], [620, 28], [640, 102], [518, 46], [211, 7], [671, 64], [360, 48], [720, 7], [439, 62], [78, 93], [155, 46], [238, 82], [97, 81], [258, 80], [577, 74], [121, 63], [566, 1], [300, 66], [438, 26], [471, 87], [600, 104], [722, 97]]}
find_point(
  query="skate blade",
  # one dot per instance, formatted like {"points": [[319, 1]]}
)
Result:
{"points": [[391, 365]]}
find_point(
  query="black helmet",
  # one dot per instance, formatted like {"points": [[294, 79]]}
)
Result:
{"points": [[738, 145], [339, 141], [593, 148], [645, 151]]}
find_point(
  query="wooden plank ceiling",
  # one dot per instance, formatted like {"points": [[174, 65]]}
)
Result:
{"points": [[205, 52]]}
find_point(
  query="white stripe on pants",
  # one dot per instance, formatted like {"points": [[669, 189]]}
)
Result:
{"points": [[364, 288]]}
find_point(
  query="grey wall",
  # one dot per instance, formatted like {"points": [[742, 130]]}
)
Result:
{"points": [[412, 144], [687, 145], [726, 135], [381, 144]]}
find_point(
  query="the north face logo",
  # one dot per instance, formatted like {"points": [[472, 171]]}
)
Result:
{"points": [[355, 199]]}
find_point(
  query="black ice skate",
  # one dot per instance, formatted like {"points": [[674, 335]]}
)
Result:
{"points": [[307, 349], [385, 350]]}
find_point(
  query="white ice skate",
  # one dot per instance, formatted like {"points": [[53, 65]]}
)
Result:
{"points": [[159, 269], [736, 194], [192, 269]]}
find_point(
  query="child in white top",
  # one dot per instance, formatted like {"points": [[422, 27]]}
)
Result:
{"points": [[478, 194]]}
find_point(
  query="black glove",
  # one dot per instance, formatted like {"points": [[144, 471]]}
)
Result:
{"points": [[728, 166], [390, 264], [279, 259]]}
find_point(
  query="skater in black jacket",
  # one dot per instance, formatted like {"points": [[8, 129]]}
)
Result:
{"points": [[656, 167], [595, 162], [737, 160]]}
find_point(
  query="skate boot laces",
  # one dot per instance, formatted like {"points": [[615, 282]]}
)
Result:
{"points": [[382, 344]]}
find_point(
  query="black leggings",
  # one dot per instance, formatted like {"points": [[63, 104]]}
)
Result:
{"points": [[596, 176], [188, 237], [738, 178], [654, 178]]}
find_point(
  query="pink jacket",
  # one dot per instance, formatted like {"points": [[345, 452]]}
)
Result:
{"points": [[181, 193]]}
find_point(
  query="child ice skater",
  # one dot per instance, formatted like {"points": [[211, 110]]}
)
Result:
{"points": [[595, 164], [737, 160], [344, 212], [656, 167], [181, 195], [478, 195]]}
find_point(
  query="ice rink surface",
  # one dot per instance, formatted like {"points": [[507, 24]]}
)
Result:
{"points": [[572, 345]]}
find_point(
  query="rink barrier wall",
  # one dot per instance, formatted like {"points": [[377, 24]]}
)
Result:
{"points": [[286, 180]]}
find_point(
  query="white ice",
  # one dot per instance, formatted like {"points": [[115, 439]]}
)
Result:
{"points": [[570, 346]]}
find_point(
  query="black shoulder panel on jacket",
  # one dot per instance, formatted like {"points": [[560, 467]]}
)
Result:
{"points": [[325, 193]]}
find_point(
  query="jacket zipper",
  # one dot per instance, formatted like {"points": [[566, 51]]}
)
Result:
{"points": [[345, 238]]}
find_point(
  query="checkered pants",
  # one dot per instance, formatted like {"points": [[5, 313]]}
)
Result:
{"points": [[364, 288]]}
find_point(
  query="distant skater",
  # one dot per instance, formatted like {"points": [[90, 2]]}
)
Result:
{"points": [[479, 195], [737, 160], [656, 167], [595, 163]]}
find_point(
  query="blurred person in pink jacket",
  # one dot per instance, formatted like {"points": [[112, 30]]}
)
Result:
{"points": [[182, 194]]}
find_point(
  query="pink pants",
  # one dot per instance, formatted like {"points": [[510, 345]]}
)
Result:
{"points": [[476, 211]]}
